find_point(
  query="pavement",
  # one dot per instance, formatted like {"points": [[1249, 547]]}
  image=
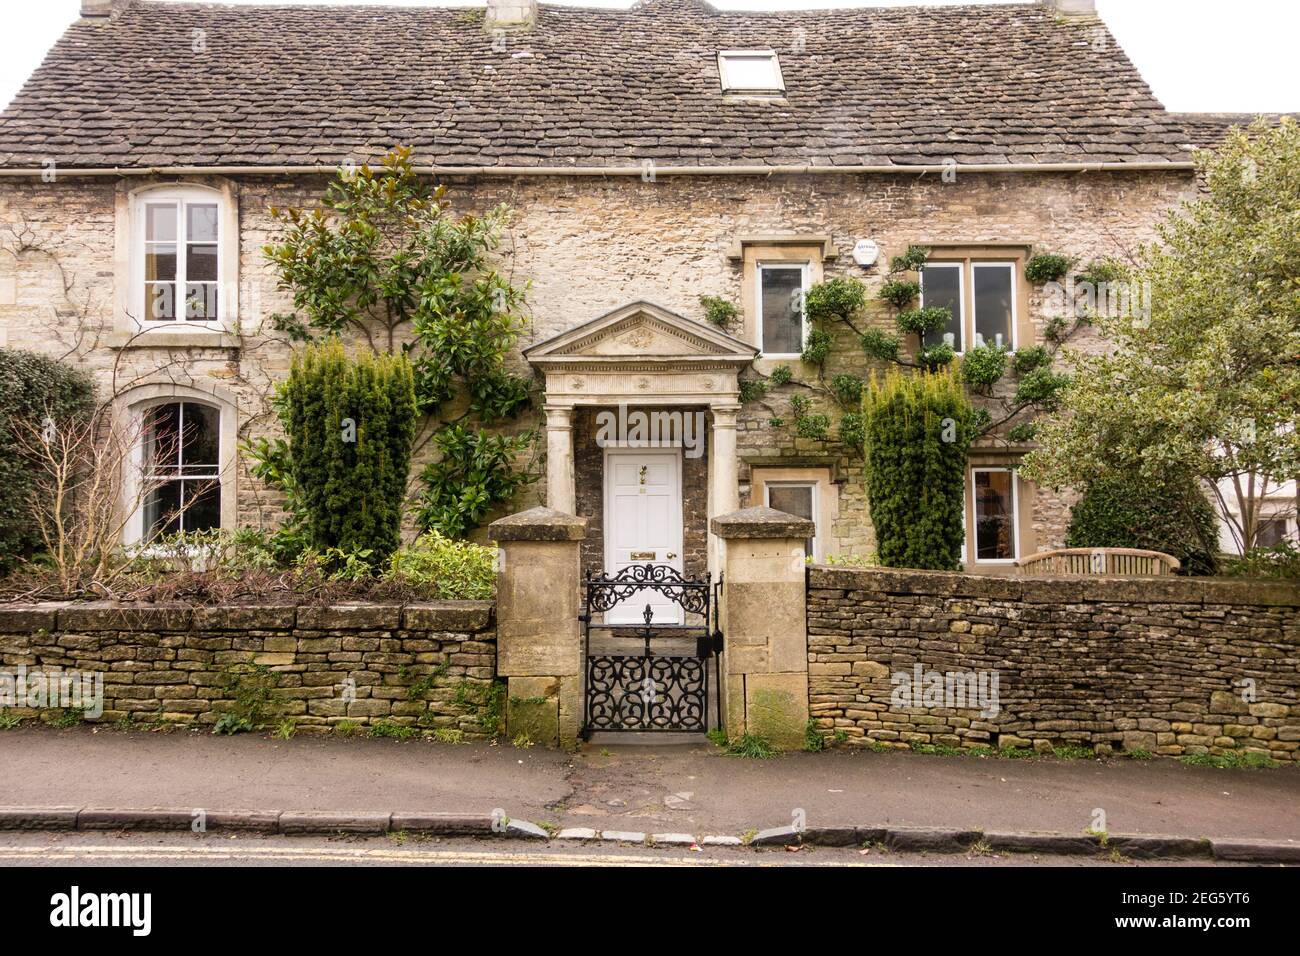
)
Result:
{"points": [[636, 791]]}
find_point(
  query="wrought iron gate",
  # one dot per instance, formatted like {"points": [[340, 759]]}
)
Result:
{"points": [[638, 691]]}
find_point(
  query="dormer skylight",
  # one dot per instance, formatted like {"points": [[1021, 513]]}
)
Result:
{"points": [[751, 72]]}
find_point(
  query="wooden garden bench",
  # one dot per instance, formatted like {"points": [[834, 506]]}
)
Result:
{"points": [[1122, 562]]}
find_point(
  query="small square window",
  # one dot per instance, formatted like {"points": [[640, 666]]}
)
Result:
{"points": [[1271, 532], [750, 71], [799, 499]]}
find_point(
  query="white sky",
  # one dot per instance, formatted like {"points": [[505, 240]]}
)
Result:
{"points": [[1198, 55]]}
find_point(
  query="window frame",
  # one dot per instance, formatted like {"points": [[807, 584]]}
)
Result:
{"points": [[813, 486], [970, 257], [960, 266], [155, 475], [728, 84], [138, 303], [1010, 265], [805, 272], [973, 525]]}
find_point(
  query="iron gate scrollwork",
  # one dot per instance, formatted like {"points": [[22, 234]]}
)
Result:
{"points": [[645, 690]]}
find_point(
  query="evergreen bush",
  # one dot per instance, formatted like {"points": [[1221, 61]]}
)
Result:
{"points": [[1173, 516], [350, 425], [918, 430]]}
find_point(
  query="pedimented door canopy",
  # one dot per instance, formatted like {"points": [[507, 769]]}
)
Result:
{"points": [[643, 354]]}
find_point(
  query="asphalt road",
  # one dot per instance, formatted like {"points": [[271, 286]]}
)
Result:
{"points": [[212, 850]]}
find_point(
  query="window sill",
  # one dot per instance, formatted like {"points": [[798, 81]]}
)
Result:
{"points": [[738, 97], [175, 338]]}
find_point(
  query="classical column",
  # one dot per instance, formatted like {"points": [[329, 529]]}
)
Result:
{"points": [[724, 482], [560, 494]]}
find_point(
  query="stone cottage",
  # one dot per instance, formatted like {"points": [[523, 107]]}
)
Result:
{"points": [[651, 156]]}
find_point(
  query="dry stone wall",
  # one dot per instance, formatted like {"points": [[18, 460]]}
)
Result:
{"points": [[429, 666], [1167, 666]]}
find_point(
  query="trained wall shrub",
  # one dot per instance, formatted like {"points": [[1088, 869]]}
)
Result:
{"points": [[350, 424], [1173, 517], [32, 388], [918, 429]]}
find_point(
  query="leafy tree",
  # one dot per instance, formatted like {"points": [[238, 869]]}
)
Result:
{"points": [[918, 430], [1208, 384], [384, 258], [350, 424]]}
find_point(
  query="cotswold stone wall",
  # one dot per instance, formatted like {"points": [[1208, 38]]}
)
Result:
{"points": [[586, 245], [425, 665], [1155, 665]]}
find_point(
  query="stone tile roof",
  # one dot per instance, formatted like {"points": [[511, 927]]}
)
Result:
{"points": [[1206, 130], [585, 87]]}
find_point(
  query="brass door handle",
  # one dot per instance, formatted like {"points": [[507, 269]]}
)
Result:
{"points": [[671, 556]]}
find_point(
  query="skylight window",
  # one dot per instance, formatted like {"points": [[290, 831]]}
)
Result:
{"points": [[751, 71]]}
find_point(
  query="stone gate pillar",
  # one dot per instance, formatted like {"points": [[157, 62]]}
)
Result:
{"points": [[539, 638], [764, 619]]}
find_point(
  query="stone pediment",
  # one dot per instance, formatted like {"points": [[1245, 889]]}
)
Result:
{"points": [[641, 333]]}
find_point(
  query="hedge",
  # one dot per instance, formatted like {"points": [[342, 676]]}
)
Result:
{"points": [[32, 389]]}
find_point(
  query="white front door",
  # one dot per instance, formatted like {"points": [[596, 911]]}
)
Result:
{"points": [[643, 525]]}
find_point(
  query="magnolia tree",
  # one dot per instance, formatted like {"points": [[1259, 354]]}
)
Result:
{"points": [[383, 259], [1206, 384]]}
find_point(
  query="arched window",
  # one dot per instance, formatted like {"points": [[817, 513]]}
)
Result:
{"points": [[182, 468]]}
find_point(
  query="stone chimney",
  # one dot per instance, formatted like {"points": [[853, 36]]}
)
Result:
{"points": [[1073, 8], [510, 14], [96, 8]]}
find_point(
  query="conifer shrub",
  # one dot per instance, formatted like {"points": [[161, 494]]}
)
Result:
{"points": [[918, 428], [350, 425]]}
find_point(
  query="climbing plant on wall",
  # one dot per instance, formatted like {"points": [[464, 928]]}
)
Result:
{"points": [[383, 258], [1009, 387]]}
